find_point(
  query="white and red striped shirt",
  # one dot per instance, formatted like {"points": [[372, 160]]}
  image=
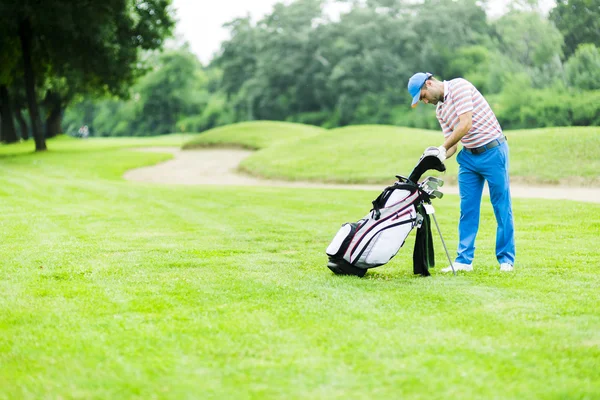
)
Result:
{"points": [[460, 96]]}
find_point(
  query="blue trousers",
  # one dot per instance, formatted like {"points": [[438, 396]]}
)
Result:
{"points": [[473, 170]]}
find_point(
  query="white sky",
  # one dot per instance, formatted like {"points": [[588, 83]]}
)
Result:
{"points": [[200, 21]]}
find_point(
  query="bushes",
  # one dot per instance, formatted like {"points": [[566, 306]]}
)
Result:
{"points": [[586, 109], [519, 107], [531, 108], [216, 113], [583, 68], [422, 117]]}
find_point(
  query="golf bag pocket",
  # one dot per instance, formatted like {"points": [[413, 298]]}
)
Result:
{"points": [[384, 244], [341, 240]]}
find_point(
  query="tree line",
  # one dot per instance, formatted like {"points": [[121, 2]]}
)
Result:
{"points": [[296, 64], [299, 64]]}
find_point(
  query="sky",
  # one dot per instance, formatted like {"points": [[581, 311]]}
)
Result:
{"points": [[200, 22]]}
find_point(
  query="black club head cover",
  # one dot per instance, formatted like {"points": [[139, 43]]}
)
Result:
{"points": [[425, 164]]}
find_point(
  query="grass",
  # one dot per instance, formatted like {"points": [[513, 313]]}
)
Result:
{"points": [[68, 144], [355, 154], [112, 289], [366, 154], [254, 135]]}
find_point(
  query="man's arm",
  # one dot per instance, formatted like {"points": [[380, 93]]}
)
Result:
{"points": [[450, 152], [445, 151], [465, 122]]}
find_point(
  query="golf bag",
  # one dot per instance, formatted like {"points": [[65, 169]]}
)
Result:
{"points": [[376, 238]]}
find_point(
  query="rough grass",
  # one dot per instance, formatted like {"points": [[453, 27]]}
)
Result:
{"points": [[112, 289]]}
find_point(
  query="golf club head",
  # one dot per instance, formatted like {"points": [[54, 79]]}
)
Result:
{"points": [[432, 180], [437, 194], [430, 186]]}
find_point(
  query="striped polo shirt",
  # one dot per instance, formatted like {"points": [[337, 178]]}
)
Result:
{"points": [[460, 96]]}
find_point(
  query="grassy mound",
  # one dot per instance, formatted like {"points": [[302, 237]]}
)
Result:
{"points": [[374, 154], [355, 154], [556, 155], [253, 135]]}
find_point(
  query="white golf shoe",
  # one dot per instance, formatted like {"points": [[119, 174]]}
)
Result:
{"points": [[459, 267], [506, 267]]}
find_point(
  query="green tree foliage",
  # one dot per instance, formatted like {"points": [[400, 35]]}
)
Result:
{"points": [[172, 90], [167, 93], [473, 64], [9, 52], [285, 55], [533, 45], [238, 55], [300, 64], [297, 65], [579, 22], [528, 38], [93, 46], [365, 63], [583, 68], [216, 112], [522, 107], [442, 27]]}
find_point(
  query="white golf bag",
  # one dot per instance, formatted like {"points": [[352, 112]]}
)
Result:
{"points": [[376, 238]]}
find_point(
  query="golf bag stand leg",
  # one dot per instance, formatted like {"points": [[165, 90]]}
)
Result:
{"points": [[443, 243]]}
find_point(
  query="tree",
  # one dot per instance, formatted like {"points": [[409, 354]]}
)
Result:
{"points": [[284, 55], [583, 68], [528, 38], [19, 103], [7, 129], [237, 58], [9, 51], [473, 64], [578, 21], [533, 44], [112, 64], [441, 27], [175, 88], [26, 39], [366, 50], [167, 93], [94, 46]]}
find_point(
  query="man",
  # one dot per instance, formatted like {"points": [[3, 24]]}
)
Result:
{"points": [[466, 117]]}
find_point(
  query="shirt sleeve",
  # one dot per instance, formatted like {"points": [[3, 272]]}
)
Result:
{"points": [[463, 96]]}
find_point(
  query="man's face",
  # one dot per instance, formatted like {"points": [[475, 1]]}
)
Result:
{"points": [[430, 93]]}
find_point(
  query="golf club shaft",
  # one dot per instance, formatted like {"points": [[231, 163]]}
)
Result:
{"points": [[443, 243]]}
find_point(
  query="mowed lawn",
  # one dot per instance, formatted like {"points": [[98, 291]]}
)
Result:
{"points": [[113, 289]]}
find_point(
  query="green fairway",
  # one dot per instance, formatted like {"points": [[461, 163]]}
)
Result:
{"points": [[117, 290]]}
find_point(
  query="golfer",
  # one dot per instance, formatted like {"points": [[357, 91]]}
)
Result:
{"points": [[466, 117]]}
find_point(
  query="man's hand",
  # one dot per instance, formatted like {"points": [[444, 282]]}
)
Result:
{"points": [[439, 152]]}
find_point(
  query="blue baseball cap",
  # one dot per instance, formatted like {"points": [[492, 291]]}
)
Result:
{"points": [[415, 83]]}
